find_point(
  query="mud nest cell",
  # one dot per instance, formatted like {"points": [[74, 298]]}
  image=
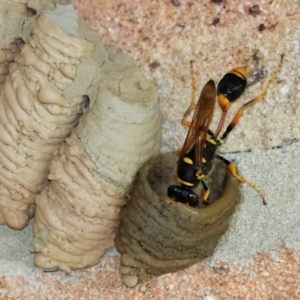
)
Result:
{"points": [[158, 235]]}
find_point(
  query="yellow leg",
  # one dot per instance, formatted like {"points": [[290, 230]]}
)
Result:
{"points": [[185, 123], [205, 192], [193, 96], [222, 119], [179, 150], [232, 170]]}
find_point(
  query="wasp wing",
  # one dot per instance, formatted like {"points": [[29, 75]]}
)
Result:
{"points": [[201, 120]]}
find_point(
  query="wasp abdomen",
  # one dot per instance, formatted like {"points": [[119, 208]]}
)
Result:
{"points": [[232, 85], [183, 195]]}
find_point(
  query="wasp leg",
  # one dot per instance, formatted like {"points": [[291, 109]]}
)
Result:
{"points": [[224, 113], [205, 192], [209, 132], [178, 152], [231, 167], [185, 122], [193, 97], [229, 89], [251, 102]]}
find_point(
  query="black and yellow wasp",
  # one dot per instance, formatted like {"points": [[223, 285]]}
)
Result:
{"points": [[199, 149]]}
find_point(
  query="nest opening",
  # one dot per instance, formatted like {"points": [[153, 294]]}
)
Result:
{"points": [[163, 173], [158, 235]]}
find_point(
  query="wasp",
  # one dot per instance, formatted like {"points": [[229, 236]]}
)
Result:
{"points": [[201, 144]]}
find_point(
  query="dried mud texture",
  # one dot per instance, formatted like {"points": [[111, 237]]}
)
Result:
{"points": [[7, 56], [13, 34], [91, 174], [157, 235], [38, 112], [17, 22]]}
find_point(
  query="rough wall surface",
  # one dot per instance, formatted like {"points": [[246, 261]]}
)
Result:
{"points": [[218, 36]]}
